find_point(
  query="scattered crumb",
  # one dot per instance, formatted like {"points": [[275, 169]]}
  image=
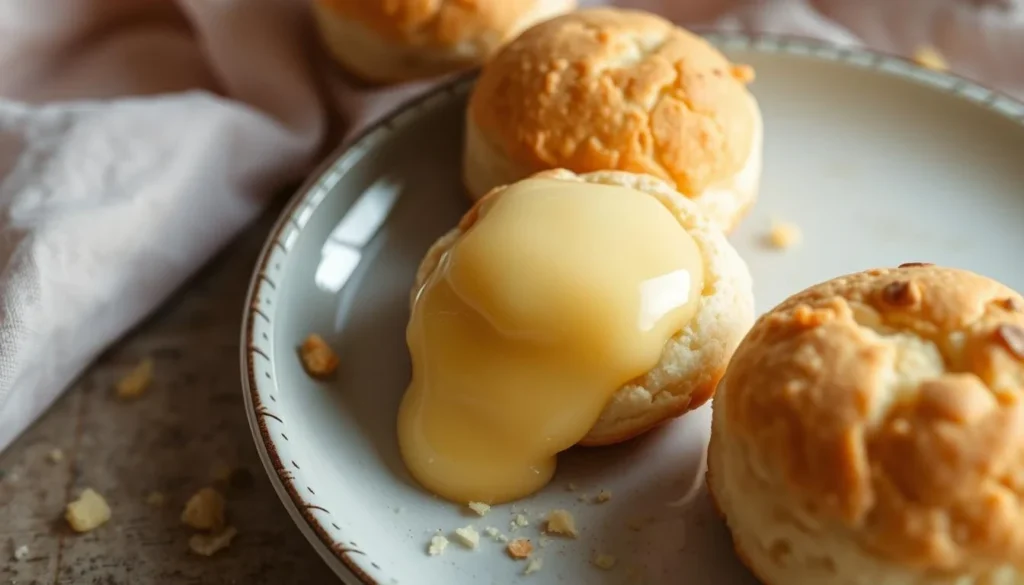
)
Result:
{"points": [[135, 383], [437, 545], [55, 456], [784, 235], [21, 553], [533, 566], [544, 541], [204, 510], [571, 487], [221, 472], [518, 522], [210, 544], [603, 561], [742, 73], [479, 507], [583, 497], [519, 548], [930, 58], [603, 496], [468, 536], [318, 358], [156, 499], [495, 534], [88, 512], [561, 522]]}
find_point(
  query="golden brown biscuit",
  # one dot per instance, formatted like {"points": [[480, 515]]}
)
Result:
{"points": [[694, 359], [617, 89], [870, 431], [385, 41]]}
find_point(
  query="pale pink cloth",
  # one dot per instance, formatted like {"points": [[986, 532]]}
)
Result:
{"points": [[138, 136]]}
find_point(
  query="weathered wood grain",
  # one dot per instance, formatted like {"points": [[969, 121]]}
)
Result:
{"points": [[173, 440]]}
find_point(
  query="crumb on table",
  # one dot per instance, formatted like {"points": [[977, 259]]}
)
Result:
{"points": [[210, 544], [88, 512], [519, 548], [55, 455], [137, 381], [204, 510], [561, 522], [318, 358], [784, 235], [603, 496], [21, 552], [930, 58]]}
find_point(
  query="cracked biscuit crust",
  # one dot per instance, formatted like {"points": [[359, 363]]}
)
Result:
{"points": [[618, 89], [888, 404], [438, 23]]}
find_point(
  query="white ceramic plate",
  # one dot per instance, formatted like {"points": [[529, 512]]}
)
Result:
{"points": [[878, 162]]}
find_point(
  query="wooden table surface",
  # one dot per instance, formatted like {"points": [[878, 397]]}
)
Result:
{"points": [[174, 439]]}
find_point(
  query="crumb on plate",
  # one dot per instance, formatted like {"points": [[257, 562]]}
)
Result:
{"points": [[561, 522], [603, 496], [784, 235], [519, 548], [930, 58], [210, 544], [468, 536], [437, 545], [137, 381], [318, 358], [88, 512], [204, 510], [479, 508], [533, 566], [603, 561]]}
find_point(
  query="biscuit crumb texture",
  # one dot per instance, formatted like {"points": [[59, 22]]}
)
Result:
{"points": [[204, 510], [930, 58], [561, 522], [21, 552], [318, 358], [55, 456], [88, 512], [784, 235], [603, 496], [479, 508], [603, 561], [437, 545], [208, 545], [468, 537], [533, 566], [136, 382], [519, 548]]}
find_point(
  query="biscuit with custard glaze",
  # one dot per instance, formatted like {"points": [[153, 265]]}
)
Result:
{"points": [[870, 431], [695, 358], [399, 40], [612, 89]]}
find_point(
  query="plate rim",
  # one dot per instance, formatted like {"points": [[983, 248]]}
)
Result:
{"points": [[344, 557]]}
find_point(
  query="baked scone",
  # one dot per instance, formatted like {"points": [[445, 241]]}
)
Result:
{"points": [[870, 431], [386, 41], [611, 89], [695, 358]]}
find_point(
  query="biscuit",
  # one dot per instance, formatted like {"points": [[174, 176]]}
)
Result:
{"points": [[695, 358], [401, 40], [611, 89], [870, 431]]}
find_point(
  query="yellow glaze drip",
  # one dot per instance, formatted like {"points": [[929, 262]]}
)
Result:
{"points": [[559, 294]]}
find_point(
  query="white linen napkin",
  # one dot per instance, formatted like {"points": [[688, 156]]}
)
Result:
{"points": [[138, 136]]}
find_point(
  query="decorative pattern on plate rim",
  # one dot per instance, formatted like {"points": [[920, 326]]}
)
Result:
{"points": [[258, 381]]}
